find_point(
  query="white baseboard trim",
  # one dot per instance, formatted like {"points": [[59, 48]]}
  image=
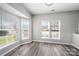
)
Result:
{"points": [[52, 42], [75, 46], [39, 41], [25, 43], [14, 48]]}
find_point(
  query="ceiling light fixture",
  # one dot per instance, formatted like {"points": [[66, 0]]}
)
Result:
{"points": [[52, 10], [48, 4]]}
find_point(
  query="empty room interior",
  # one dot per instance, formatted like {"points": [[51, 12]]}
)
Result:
{"points": [[39, 29]]}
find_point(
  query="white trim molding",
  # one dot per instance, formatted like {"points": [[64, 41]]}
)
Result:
{"points": [[15, 47], [51, 42], [75, 46]]}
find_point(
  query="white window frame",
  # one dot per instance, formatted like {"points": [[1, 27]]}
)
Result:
{"points": [[25, 29], [3, 17], [58, 38], [48, 31]]}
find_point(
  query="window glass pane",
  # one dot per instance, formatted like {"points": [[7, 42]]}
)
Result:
{"points": [[50, 30], [25, 29], [55, 29], [44, 29], [8, 30], [0, 22]]}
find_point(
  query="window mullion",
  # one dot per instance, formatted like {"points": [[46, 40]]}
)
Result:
{"points": [[49, 30]]}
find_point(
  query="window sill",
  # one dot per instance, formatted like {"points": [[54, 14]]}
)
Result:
{"points": [[5, 45], [55, 38], [51, 38]]}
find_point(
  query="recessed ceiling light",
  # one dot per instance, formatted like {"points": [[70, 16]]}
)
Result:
{"points": [[48, 4]]}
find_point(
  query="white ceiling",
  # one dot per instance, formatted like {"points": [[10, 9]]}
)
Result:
{"points": [[41, 8]]}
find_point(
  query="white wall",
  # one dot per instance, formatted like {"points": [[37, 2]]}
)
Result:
{"points": [[75, 41], [68, 26], [78, 24]]}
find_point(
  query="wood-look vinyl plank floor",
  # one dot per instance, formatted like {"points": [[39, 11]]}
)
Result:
{"points": [[44, 49]]}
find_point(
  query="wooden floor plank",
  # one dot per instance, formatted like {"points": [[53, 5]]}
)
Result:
{"points": [[44, 49]]}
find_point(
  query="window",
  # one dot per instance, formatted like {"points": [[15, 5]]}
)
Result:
{"points": [[50, 30], [55, 29], [7, 30], [24, 29], [45, 29]]}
